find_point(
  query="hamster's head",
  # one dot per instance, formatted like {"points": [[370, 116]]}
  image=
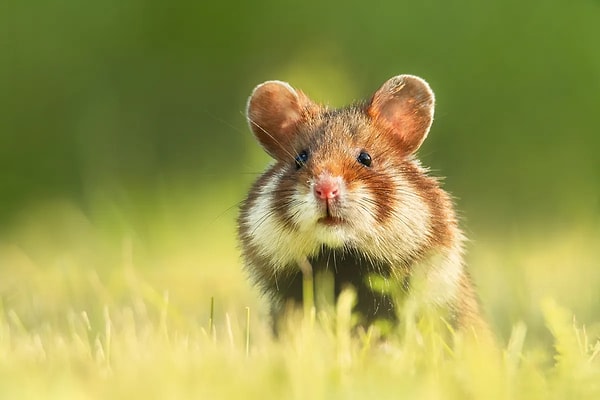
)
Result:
{"points": [[343, 177]]}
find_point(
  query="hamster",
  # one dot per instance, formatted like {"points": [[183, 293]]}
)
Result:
{"points": [[347, 194]]}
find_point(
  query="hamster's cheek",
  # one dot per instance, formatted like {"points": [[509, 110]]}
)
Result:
{"points": [[360, 209], [304, 211]]}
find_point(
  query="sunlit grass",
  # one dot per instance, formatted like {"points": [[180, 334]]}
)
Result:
{"points": [[98, 305]]}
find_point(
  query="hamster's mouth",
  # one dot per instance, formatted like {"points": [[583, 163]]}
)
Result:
{"points": [[330, 221]]}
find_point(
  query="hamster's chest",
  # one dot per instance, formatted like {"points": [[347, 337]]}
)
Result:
{"points": [[372, 281]]}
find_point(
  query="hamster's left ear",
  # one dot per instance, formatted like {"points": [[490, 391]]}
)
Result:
{"points": [[404, 107]]}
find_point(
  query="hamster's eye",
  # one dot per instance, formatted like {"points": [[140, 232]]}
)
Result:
{"points": [[364, 158], [301, 159]]}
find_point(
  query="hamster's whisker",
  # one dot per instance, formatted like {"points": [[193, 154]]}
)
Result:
{"points": [[273, 138]]}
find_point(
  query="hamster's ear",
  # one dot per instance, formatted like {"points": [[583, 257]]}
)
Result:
{"points": [[404, 106], [275, 109]]}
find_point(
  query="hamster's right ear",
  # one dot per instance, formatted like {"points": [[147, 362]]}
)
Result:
{"points": [[275, 109]]}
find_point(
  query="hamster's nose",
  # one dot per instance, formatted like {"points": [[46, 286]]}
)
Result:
{"points": [[327, 188]]}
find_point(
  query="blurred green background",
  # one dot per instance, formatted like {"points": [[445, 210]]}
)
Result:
{"points": [[131, 113]]}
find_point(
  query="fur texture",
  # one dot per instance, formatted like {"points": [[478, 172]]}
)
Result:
{"points": [[388, 218]]}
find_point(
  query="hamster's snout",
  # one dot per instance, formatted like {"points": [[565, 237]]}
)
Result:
{"points": [[328, 188]]}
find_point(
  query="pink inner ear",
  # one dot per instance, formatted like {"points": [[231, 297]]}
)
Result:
{"points": [[403, 106], [274, 111], [290, 117]]}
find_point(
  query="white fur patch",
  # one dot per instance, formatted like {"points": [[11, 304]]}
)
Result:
{"points": [[267, 233], [436, 279]]}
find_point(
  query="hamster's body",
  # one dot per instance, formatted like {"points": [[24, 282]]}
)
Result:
{"points": [[346, 194]]}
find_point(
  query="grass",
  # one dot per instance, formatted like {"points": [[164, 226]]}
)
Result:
{"points": [[96, 305]]}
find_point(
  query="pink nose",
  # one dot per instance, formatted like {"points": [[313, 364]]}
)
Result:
{"points": [[327, 188]]}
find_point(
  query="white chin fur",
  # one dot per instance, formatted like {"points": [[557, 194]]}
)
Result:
{"points": [[331, 236], [306, 213]]}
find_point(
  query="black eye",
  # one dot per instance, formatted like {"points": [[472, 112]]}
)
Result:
{"points": [[364, 158], [301, 159]]}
